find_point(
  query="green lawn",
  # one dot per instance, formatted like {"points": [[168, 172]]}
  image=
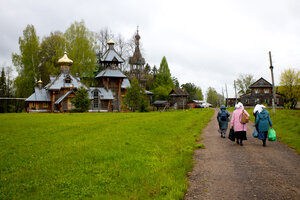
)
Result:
{"points": [[286, 123], [98, 155]]}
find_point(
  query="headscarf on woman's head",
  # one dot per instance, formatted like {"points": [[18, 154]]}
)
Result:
{"points": [[258, 108], [239, 105], [223, 107]]}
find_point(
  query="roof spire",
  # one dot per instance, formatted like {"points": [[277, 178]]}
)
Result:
{"points": [[65, 48]]}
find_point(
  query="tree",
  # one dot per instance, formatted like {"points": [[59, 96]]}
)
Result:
{"points": [[199, 94], [81, 100], [191, 89], [51, 50], [195, 93], [3, 91], [176, 82], [136, 97], [163, 83], [3, 83], [243, 83], [154, 71], [147, 69], [80, 47], [212, 96], [27, 63], [290, 87]]}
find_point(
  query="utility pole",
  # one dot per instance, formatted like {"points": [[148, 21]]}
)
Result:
{"points": [[226, 94], [273, 85], [223, 96], [235, 92]]}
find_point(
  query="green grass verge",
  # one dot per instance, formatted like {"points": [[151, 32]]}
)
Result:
{"points": [[98, 155]]}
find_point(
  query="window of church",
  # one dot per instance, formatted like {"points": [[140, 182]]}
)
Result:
{"points": [[96, 99]]}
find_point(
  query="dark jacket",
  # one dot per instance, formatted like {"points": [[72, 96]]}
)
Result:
{"points": [[263, 121], [223, 125]]}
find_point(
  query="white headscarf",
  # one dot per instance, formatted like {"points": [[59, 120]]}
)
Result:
{"points": [[239, 105], [258, 108]]}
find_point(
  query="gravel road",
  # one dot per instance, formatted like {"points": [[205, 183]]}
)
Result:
{"points": [[225, 170]]}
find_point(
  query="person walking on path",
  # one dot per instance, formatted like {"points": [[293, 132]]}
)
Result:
{"points": [[240, 129], [223, 119], [262, 123]]}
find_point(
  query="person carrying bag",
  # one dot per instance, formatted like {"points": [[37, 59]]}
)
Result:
{"points": [[262, 123], [239, 126]]}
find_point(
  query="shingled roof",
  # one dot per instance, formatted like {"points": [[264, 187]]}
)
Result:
{"points": [[178, 92], [39, 95], [59, 82], [261, 83], [111, 73]]}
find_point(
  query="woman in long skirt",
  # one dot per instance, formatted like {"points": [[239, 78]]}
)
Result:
{"points": [[240, 129]]}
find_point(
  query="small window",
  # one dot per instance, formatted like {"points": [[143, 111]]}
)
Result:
{"points": [[256, 91], [45, 105], [266, 91], [96, 100], [68, 80]]}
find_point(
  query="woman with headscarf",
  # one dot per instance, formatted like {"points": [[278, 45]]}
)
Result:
{"points": [[262, 123], [223, 119], [257, 109], [240, 129]]}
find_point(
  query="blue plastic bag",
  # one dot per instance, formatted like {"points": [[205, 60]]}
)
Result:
{"points": [[255, 133], [272, 135]]}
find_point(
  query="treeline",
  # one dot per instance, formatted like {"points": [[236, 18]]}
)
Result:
{"points": [[38, 59]]}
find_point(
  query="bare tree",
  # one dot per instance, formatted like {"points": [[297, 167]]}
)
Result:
{"points": [[243, 83]]}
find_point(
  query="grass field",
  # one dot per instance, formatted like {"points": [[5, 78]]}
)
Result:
{"points": [[286, 123], [98, 155]]}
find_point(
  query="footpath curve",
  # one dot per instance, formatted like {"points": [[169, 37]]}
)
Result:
{"points": [[225, 170]]}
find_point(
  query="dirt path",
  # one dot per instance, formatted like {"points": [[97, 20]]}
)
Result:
{"points": [[225, 170]]}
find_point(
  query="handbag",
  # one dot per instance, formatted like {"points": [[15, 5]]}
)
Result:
{"points": [[244, 118], [255, 133], [231, 135], [272, 135]]}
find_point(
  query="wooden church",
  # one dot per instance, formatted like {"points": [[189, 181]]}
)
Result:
{"points": [[58, 94]]}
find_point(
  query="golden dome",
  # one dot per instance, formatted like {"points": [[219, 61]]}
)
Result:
{"points": [[65, 59], [110, 42], [40, 81]]}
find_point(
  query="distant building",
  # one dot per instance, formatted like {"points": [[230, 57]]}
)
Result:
{"points": [[178, 99], [137, 62], [230, 102], [261, 93], [137, 69]]}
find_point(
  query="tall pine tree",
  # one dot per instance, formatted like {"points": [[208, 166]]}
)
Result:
{"points": [[164, 83]]}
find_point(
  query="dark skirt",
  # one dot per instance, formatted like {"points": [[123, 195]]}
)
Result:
{"points": [[240, 135], [263, 135]]}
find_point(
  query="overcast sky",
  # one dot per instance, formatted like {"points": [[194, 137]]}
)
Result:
{"points": [[206, 42]]}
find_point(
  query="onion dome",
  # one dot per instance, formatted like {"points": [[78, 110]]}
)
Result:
{"points": [[137, 36], [65, 60], [110, 42], [40, 81]]}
